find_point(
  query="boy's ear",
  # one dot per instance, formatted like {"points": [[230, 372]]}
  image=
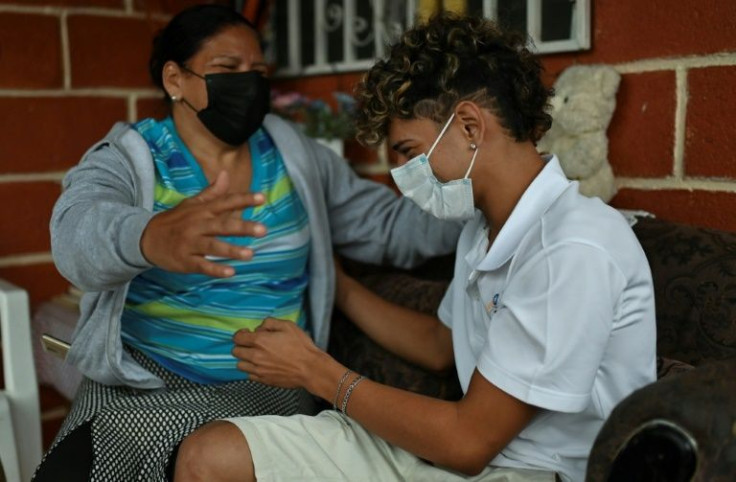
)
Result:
{"points": [[473, 122], [171, 77]]}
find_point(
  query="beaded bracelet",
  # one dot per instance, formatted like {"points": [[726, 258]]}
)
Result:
{"points": [[352, 386], [339, 387]]}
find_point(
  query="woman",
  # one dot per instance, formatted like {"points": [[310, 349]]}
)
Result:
{"points": [[549, 319], [183, 231]]}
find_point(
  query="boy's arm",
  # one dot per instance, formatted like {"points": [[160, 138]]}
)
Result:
{"points": [[419, 338], [464, 436]]}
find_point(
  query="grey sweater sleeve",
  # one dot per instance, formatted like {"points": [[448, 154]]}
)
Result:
{"points": [[96, 225], [370, 223]]}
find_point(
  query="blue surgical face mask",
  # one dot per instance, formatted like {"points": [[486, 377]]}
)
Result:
{"points": [[449, 200]]}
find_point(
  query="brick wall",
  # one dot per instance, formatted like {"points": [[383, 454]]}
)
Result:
{"points": [[69, 69], [672, 146]]}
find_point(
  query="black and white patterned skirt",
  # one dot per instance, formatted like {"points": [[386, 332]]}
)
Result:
{"points": [[134, 432]]}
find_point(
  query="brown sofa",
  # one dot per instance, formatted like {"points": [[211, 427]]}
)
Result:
{"points": [[682, 427]]}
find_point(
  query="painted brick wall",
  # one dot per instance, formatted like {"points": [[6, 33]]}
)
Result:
{"points": [[672, 146], [69, 69]]}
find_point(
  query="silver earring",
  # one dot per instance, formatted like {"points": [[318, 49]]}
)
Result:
{"points": [[473, 146], [174, 98]]}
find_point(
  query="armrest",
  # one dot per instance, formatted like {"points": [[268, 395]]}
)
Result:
{"points": [[650, 433], [20, 394]]}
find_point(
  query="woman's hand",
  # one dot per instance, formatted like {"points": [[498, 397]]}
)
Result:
{"points": [[182, 238], [277, 353]]}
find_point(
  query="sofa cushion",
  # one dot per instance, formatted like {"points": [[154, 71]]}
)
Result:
{"points": [[667, 367], [418, 290], [694, 271]]}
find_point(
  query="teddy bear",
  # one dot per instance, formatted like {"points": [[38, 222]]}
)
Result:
{"points": [[581, 109]]}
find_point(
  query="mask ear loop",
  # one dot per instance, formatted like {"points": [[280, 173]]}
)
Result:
{"points": [[442, 133], [472, 161], [186, 102]]}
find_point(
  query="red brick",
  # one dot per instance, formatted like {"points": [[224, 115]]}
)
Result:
{"points": [[553, 66], [51, 133], [358, 154], [697, 208], [319, 86], [316, 87], [49, 429], [42, 281], [27, 228], [109, 51], [628, 30], [69, 3], [641, 133], [156, 108], [382, 179], [51, 399], [30, 51], [711, 115]]}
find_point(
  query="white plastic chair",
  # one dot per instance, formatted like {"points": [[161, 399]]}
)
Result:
{"points": [[20, 416]]}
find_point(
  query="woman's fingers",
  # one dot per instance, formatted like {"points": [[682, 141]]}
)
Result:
{"points": [[214, 249], [210, 268], [185, 238], [225, 203], [214, 190], [225, 225]]}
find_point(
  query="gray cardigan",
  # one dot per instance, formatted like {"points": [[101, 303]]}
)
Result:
{"points": [[107, 201]]}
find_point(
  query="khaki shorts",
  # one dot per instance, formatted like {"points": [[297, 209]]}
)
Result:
{"points": [[332, 447]]}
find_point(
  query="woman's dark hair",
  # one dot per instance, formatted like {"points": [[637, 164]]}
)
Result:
{"points": [[452, 58], [186, 32]]}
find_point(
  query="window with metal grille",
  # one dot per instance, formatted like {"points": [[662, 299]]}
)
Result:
{"points": [[330, 36]]}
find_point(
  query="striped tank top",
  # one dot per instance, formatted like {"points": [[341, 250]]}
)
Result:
{"points": [[186, 321]]}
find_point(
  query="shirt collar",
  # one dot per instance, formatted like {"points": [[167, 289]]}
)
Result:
{"points": [[541, 193]]}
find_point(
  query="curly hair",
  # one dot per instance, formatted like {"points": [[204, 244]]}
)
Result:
{"points": [[449, 59]]}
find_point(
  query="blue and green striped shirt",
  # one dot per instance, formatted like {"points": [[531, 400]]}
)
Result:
{"points": [[186, 321]]}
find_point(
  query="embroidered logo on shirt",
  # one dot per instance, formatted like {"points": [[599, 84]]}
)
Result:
{"points": [[492, 305]]}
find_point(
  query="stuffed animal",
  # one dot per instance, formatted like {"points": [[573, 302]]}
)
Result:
{"points": [[584, 101]]}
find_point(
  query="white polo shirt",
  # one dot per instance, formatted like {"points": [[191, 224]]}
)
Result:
{"points": [[559, 313]]}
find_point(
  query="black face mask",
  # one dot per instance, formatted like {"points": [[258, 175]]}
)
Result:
{"points": [[237, 103]]}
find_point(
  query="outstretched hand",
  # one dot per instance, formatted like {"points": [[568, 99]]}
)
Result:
{"points": [[182, 238], [277, 353]]}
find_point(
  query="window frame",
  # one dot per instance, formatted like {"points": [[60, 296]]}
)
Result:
{"points": [[579, 34]]}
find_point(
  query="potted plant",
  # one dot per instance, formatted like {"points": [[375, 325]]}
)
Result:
{"points": [[317, 118]]}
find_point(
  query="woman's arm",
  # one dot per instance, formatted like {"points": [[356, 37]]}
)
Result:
{"points": [[101, 238], [96, 224], [419, 338], [463, 436], [370, 223]]}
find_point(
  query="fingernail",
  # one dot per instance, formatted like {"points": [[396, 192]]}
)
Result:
{"points": [[259, 198], [260, 229]]}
